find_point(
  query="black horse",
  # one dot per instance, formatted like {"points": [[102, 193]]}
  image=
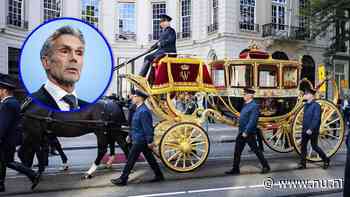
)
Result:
{"points": [[104, 119]]}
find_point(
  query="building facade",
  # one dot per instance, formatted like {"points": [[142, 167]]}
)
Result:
{"points": [[210, 29]]}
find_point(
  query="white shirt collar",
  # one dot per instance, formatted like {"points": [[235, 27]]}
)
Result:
{"points": [[57, 94]]}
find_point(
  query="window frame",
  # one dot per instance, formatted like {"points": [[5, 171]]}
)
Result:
{"points": [[85, 16], [251, 6], [276, 67], [156, 18], [57, 3], [297, 79], [130, 19], [251, 80], [187, 33]]}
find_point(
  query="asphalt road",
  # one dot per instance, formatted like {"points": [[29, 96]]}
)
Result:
{"points": [[209, 180]]}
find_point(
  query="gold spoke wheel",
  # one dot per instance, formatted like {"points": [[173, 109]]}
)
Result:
{"points": [[332, 131], [184, 147]]}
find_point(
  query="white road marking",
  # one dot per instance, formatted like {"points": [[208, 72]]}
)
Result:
{"points": [[161, 194], [198, 191]]}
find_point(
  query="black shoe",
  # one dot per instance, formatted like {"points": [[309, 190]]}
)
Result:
{"points": [[326, 163], [301, 166], [232, 171], [265, 170], [119, 182], [2, 187], [36, 180], [157, 179]]}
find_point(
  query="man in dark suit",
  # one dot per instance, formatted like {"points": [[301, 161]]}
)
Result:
{"points": [[248, 121], [166, 44], [62, 57], [141, 137], [311, 128], [9, 134]]}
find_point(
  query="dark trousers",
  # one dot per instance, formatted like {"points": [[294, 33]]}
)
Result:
{"points": [[148, 61], [314, 144], [7, 161], [134, 154], [239, 147], [55, 144]]}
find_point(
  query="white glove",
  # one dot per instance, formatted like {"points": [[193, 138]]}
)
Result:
{"points": [[309, 132]]}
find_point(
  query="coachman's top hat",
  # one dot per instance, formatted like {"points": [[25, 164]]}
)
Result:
{"points": [[249, 91], [7, 82], [140, 94], [310, 91], [165, 17]]}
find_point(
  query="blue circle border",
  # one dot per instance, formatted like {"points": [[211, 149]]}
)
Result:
{"points": [[20, 58]]}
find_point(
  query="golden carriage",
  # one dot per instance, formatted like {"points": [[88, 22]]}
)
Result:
{"points": [[182, 143]]}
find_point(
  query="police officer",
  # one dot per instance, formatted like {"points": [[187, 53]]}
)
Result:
{"points": [[9, 134], [141, 136], [166, 44], [248, 121], [311, 128]]}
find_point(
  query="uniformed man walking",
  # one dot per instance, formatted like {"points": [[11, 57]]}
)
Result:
{"points": [[141, 137], [9, 134], [311, 128], [248, 121], [166, 44]]}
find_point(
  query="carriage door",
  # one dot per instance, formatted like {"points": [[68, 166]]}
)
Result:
{"points": [[308, 69]]}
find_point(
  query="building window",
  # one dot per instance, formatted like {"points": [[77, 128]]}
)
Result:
{"points": [[90, 10], [52, 9], [126, 21], [279, 14], [157, 10], [15, 13], [185, 18], [214, 14], [13, 55], [13, 71], [247, 19]]}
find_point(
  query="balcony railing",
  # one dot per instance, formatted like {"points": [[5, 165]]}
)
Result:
{"points": [[14, 22], [249, 27], [285, 32], [212, 28], [125, 36], [183, 35]]}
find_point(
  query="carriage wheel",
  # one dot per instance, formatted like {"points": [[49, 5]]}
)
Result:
{"points": [[331, 131], [278, 137], [184, 147]]}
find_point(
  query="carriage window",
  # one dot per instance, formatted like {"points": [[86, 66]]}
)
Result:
{"points": [[290, 77], [268, 76], [241, 75], [219, 77]]}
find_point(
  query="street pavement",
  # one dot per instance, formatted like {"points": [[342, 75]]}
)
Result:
{"points": [[209, 180]]}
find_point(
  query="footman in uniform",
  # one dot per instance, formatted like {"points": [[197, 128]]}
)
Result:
{"points": [[141, 137], [9, 134], [311, 128], [248, 121]]}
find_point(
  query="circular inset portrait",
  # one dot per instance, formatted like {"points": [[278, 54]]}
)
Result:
{"points": [[66, 64]]}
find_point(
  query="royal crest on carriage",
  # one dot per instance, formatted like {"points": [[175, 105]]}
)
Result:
{"points": [[185, 72]]}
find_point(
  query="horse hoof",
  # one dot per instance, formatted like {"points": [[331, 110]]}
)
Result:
{"points": [[87, 176]]}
